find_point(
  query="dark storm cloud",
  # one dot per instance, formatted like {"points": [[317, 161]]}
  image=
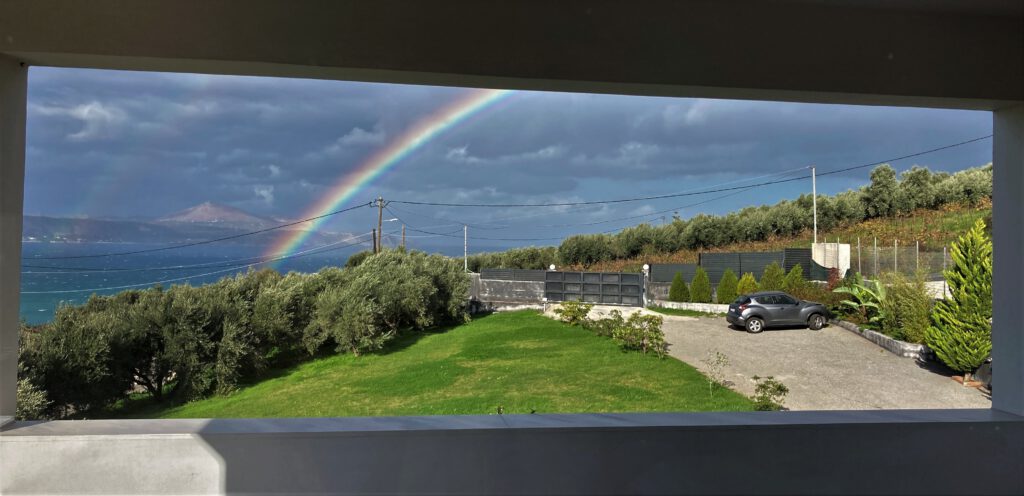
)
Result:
{"points": [[112, 143]]}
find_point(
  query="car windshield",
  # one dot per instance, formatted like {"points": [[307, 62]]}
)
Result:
{"points": [[742, 300]]}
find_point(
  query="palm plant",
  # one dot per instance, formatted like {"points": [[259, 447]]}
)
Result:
{"points": [[865, 301]]}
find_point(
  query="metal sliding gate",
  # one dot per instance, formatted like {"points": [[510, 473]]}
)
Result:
{"points": [[606, 288]]}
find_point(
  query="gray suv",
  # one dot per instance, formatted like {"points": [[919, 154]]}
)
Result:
{"points": [[756, 311]]}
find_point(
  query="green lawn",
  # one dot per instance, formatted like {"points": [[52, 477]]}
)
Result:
{"points": [[682, 312], [519, 361]]}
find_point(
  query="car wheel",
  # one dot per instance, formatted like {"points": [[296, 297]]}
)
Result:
{"points": [[755, 325], [816, 322]]}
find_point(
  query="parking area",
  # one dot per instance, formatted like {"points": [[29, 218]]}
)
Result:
{"points": [[830, 369]]}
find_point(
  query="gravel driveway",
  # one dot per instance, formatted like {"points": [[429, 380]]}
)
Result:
{"points": [[831, 369]]}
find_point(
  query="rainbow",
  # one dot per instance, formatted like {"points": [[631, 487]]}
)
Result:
{"points": [[419, 134]]}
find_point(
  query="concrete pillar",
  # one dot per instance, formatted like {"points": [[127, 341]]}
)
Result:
{"points": [[13, 84], [1008, 262]]}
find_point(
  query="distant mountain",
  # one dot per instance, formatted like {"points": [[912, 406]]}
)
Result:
{"points": [[201, 222], [220, 215]]}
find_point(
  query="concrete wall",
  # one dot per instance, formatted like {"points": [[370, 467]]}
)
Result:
{"points": [[495, 294], [13, 87], [831, 255], [862, 453]]}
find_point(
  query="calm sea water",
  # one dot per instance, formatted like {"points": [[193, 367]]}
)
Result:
{"points": [[45, 284]]}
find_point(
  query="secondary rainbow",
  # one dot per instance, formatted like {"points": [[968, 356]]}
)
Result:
{"points": [[417, 135]]}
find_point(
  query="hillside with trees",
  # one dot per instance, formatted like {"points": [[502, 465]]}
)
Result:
{"points": [[930, 207]]}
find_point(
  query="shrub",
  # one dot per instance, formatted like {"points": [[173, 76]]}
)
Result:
{"points": [[358, 258], [865, 301], [769, 394], [573, 313], [773, 278], [726, 291], [961, 330], [700, 289], [643, 333], [747, 284], [833, 278], [607, 326], [678, 291], [906, 310], [715, 363], [31, 402], [794, 280]]}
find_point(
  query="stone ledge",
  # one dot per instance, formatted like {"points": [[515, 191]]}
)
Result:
{"points": [[894, 346], [699, 307]]}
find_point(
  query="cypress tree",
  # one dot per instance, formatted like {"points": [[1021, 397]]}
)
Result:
{"points": [[773, 278], [794, 281], [727, 286], [700, 288], [678, 291], [747, 284], [961, 330]]}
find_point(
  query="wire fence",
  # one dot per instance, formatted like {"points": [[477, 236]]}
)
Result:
{"points": [[875, 256]]}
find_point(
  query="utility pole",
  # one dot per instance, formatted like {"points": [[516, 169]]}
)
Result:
{"points": [[374, 241], [380, 224], [814, 201], [465, 247], [403, 237]]}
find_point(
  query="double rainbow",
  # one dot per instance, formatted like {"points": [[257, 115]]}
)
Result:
{"points": [[416, 136]]}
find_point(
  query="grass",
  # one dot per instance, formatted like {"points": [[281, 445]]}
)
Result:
{"points": [[682, 312], [519, 361]]}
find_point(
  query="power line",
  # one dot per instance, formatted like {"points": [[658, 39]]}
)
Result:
{"points": [[208, 241], [682, 194], [492, 221]]}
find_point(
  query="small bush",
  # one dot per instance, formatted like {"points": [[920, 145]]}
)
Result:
{"points": [[700, 289], [358, 258], [833, 278], [794, 281], [769, 394], [607, 326], [773, 278], [715, 363], [31, 401], [678, 291], [906, 309], [726, 291], [643, 333], [573, 313], [748, 284]]}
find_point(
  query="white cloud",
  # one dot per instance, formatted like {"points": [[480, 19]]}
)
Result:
{"points": [[99, 121], [358, 136], [265, 193], [275, 171]]}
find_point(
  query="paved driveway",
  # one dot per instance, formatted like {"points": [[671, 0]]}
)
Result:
{"points": [[831, 369]]}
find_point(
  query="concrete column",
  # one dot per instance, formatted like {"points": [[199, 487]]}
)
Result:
{"points": [[1008, 260], [13, 84]]}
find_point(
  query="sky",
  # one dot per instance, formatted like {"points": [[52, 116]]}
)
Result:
{"points": [[138, 145]]}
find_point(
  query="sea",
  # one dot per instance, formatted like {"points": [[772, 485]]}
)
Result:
{"points": [[48, 282]]}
